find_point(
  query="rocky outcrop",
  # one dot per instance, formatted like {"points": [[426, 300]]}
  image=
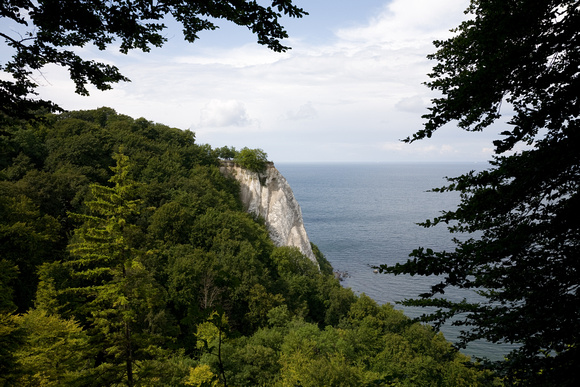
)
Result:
{"points": [[268, 195]]}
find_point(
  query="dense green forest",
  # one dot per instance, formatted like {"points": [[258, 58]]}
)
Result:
{"points": [[126, 259]]}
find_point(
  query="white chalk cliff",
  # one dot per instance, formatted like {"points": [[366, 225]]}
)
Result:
{"points": [[268, 195]]}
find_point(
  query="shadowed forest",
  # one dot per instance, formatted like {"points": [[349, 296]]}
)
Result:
{"points": [[126, 259]]}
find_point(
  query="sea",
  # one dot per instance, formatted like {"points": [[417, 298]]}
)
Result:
{"points": [[363, 215]]}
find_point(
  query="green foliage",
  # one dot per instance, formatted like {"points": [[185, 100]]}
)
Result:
{"points": [[523, 211], [167, 368], [252, 159], [226, 153], [11, 339], [81, 144], [313, 357], [201, 376], [27, 238], [309, 293], [149, 272], [375, 345], [323, 264], [260, 302], [54, 352], [211, 335], [56, 192], [123, 305], [8, 275], [289, 261], [51, 30]]}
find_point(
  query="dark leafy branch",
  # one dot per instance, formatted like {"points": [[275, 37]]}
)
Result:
{"points": [[522, 212], [55, 28]]}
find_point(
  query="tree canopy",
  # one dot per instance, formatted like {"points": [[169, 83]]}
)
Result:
{"points": [[519, 60], [51, 31], [253, 159], [141, 267]]}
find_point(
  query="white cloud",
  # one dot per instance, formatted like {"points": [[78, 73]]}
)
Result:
{"points": [[244, 56], [218, 113], [393, 146], [415, 104], [487, 151], [364, 88], [304, 112], [416, 148], [407, 23]]}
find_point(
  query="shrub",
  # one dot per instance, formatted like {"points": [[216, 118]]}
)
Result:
{"points": [[252, 159]]}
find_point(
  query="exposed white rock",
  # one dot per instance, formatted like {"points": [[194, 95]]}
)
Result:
{"points": [[268, 195]]}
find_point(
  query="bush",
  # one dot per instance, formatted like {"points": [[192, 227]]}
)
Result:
{"points": [[252, 159]]}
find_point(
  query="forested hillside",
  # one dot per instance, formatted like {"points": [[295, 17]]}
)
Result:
{"points": [[126, 259]]}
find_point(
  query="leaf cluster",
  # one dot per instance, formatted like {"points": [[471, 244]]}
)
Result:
{"points": [[255, 160]]}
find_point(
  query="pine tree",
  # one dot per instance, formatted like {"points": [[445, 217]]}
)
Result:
{"points": [[119, 299]]}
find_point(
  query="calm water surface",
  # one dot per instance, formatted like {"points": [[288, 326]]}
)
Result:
{"points": [[361, 215]]}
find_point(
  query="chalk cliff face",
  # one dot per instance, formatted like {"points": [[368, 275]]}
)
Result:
{"points": [[268, 194]]}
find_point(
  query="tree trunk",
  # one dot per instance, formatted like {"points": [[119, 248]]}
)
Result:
{"points": [[129, 358]]}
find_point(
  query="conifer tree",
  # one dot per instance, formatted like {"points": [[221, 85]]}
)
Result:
{"points": [[119, 300]]}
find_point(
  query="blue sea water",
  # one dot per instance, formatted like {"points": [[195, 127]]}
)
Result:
{"points": [[361, 215]]}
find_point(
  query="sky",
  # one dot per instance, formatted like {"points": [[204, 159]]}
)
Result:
{"points": [[349, 90]]}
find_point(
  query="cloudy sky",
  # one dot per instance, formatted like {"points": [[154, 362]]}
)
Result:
{"points": [[349, 90]]}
